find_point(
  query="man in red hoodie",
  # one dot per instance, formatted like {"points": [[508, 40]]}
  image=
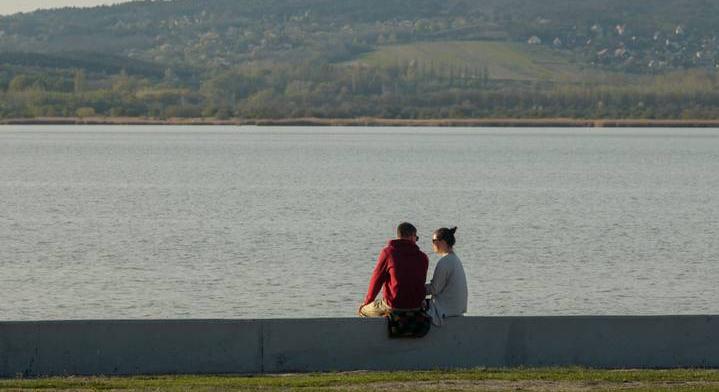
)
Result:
{"points": [[400, 272]]}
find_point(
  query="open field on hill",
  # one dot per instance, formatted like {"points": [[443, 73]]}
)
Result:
{"points": [[503, 60], [551, 379]]}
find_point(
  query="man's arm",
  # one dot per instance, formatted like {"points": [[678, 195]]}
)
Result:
{"points": [[379, 277]]}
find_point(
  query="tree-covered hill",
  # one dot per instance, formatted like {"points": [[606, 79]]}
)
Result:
{"points": [[628, 35], [392, 58]]}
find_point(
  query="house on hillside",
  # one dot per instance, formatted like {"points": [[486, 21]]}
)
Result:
{"points": [[534, 40]]}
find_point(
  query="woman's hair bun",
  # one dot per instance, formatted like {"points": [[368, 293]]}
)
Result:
{"points": [[446, 235]]}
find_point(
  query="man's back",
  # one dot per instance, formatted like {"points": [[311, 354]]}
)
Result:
{"points": [[401, 271], [407, 266]]}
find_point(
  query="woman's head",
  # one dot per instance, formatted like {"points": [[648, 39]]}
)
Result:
{"points": [[443, 239]]}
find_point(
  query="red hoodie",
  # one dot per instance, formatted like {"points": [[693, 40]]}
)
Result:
{"points": [[401, 272]]}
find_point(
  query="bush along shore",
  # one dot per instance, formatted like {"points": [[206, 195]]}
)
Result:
{"points": [[373, 121]]}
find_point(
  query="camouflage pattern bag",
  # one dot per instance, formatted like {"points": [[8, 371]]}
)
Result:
{"points": [[408, 324]]}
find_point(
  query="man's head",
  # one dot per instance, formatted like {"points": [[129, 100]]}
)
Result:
{"points": [[407, 231]]}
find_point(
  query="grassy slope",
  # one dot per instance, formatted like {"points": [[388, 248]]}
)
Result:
{"points": [[570, 379], [504, 60]]}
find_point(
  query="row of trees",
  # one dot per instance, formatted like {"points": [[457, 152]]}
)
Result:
{"points": [[338, 91]]}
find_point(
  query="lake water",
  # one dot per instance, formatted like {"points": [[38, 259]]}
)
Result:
{"points": [[208, 222]]}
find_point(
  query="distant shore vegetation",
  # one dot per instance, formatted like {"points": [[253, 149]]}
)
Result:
{"points": [[379, 59], [350, 91]]}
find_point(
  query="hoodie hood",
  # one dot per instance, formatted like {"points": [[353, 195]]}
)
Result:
{"points": [[399, 243]]}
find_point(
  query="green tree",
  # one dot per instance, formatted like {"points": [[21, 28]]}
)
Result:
{"points": [[85, 112], [80, 82]]}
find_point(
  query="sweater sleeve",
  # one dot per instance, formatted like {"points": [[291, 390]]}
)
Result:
{"points": [[379, 277], [439, 279]]}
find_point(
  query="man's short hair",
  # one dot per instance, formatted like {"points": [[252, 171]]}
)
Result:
{"points": [[406, 230]]}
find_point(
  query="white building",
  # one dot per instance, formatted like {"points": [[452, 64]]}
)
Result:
{"points": [[534, 40]]}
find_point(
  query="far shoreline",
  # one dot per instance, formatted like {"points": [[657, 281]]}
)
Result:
{"points": [[374, 122]]}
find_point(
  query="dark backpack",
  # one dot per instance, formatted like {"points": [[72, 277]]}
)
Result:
{"points": [[408, 323]]}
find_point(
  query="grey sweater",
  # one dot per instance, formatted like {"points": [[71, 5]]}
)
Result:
{"points": [[449, 286]]}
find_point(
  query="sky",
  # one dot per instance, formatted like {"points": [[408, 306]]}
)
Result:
{"points": [[12, 6]]}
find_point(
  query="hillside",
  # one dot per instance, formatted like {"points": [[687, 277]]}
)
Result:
{"points": [[343, 58], [222, 32]]}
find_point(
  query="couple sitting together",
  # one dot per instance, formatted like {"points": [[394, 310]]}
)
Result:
{"points": [[401, 273]]}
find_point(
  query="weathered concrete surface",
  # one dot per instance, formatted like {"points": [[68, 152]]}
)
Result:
{"points": [[605, 342], [129, 347], [270, 346]]}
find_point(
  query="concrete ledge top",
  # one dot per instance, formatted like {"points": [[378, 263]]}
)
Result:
{"points": [[353, 319]]}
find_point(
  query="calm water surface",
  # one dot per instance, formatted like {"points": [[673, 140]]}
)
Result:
{"points": [[166, 222]]}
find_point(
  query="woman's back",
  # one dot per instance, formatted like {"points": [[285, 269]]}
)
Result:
{"points": [[449, 286]]}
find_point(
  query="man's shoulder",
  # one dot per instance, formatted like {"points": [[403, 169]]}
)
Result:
{"points": [[387, 248], [386, 251]]}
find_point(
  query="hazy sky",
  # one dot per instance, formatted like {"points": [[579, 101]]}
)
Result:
{"points": [[13, 6]]}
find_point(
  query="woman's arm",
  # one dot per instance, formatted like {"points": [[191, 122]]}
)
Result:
{"points": [[439, 279]]}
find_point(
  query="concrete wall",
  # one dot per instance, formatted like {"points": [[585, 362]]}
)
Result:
{"points": [[272, 346]]}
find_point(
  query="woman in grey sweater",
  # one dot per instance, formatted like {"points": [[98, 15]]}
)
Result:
{"points": [[448, 287]]}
